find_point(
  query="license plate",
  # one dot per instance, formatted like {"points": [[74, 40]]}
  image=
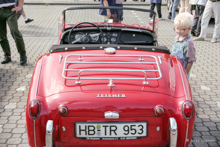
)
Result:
{"points": [[110, 131]]}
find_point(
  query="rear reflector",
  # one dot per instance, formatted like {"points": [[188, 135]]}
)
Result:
{"points": [[159, 111], [63, 111], [187, 110], [34, 109]]}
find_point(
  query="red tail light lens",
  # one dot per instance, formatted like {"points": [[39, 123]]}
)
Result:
{"points": [[63, 111], [187, 110], [34, 109], [159, 111]]}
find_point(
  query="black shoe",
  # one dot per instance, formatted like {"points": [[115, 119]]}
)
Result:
{"points": [[169, 16], [6, 60], [23, 60], [28, 20], [193, 34]]}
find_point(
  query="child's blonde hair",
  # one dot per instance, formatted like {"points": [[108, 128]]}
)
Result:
{"points": [[184, 19]]}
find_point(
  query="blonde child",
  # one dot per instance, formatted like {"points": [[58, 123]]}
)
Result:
{"points": [[184, 47]]}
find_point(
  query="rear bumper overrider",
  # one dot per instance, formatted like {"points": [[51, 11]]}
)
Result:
{"points": [[173, 132], [49, 134]]}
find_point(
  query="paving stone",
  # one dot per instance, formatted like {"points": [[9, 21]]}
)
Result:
{"points": [[202, 116], [209, 139], [199, 124], [209, 124], [205, 119], [23, 145], [14, 118], [203, 129], [10, 106], [11, 145], [5, 135], [19, 130], [3, 140], [215, 133], [213, 128], [213, 144], [196, 133], [22, 121], [6, 114], [14, 141], [205, 133], [16, 114], [7, 130], [3, 121], [9, 126], [16, 136]]}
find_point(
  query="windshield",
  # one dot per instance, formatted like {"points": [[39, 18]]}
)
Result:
{"points": [[120, 17]]}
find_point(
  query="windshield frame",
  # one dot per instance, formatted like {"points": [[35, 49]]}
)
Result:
{"points": [[110, 7]]}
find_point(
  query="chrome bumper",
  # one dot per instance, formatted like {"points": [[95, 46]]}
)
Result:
{"points": [[173, 132], [49, 134]]}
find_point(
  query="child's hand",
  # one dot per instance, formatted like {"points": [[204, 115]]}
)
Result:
{"points": [[189, 66]]}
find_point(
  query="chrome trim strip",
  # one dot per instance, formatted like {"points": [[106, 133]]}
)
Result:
{"points": [[35, 143], [111, 95], [39, 78], [173, 132], [49, 134], [159, 57], [61, 56], [187, 129], [111, 115], [133, 30], [182, 80]]}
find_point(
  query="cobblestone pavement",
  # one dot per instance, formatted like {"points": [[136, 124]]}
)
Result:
{"points": [[40, 34]]}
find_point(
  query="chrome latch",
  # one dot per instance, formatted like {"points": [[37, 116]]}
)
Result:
{"points": [[111, 83], [111, 115]]}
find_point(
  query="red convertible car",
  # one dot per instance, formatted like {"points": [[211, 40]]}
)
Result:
{"points": [[108, 83]]}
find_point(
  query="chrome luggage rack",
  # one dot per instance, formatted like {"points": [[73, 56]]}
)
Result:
{"points": [[140, 60]]}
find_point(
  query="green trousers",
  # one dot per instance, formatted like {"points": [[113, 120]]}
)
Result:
{"points": [[10, 18]]}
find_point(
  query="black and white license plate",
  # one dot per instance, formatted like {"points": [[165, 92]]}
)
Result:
{"points": [[110, 131]]}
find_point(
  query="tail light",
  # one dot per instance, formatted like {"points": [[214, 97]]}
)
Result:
{"points": [[34, 109], [187, 110], [159, 111], [63, 111]]}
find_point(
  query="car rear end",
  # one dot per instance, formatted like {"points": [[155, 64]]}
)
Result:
{"points": [[109, 97]]}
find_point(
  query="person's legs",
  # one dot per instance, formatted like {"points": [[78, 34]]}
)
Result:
{"points": [[195, 21], [170, 5], [170, 9], [119, 13], [159, 10], [13, 25], [19, 13], [187, 6], [182, 7], [23, 14], [193, 10], [200, 14], [207, 14], [3, 33], [152, 6], [175, 5], [216, 11]]}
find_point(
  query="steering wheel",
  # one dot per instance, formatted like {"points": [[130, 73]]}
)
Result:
{"points": [[85, 36]]}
